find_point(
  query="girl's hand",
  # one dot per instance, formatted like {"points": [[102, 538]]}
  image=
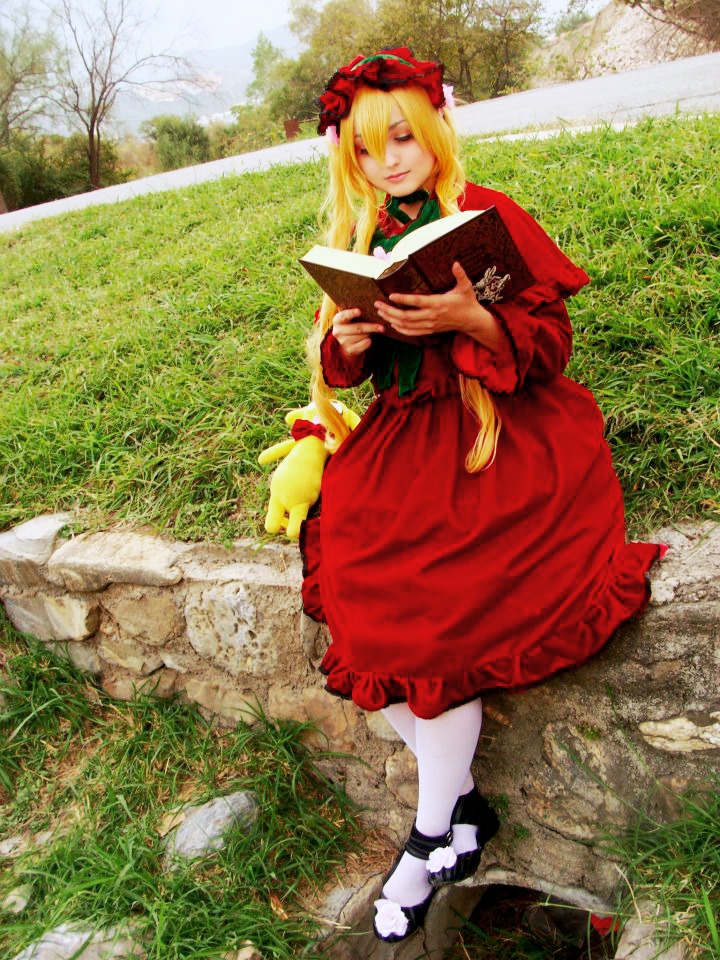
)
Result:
{"points": [[352, 336], [458, 309]]}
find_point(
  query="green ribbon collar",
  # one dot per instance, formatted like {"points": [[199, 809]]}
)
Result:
{"points": [[385, 350]]}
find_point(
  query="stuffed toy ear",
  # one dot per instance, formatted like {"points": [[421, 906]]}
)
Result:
{"points": [[301, 413]]}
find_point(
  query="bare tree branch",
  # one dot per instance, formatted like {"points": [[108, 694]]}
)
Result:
{"points": [[101, 57], [25, 54]]}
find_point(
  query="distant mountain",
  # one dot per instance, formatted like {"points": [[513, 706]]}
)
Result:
{"points": [[225, 72]]}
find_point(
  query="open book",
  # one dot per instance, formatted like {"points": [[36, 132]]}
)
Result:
{"points": [[422, 263]]}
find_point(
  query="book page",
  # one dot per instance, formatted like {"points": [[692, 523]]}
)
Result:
{"points": [[431, 231], [361, 264]]}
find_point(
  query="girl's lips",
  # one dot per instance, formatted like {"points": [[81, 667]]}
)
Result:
{"points": [[397, 176]]}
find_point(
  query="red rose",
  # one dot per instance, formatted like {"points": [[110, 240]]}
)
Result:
{"points": [[387, 69]]}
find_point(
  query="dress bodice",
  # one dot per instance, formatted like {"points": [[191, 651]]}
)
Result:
{"points": [[436, 374]]}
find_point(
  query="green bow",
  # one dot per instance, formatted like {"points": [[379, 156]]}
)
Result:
{"points": [[385, 350]]}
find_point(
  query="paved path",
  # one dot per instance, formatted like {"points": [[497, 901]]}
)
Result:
{"points": [[691, 85]]}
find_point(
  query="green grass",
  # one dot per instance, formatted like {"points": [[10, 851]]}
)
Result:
{"points": [[107, 773], [148, 349], [677, 866]]}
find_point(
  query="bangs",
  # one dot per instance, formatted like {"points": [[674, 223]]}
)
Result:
{"points": [[369, 119]]}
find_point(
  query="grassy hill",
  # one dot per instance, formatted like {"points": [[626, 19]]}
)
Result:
{"points": [[149, 350]]}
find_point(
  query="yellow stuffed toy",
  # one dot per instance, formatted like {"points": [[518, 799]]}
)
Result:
{"points": [[295, 485]]}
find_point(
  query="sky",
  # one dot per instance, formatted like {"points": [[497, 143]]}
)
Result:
{"points": [[217, 23], [222, 23]]}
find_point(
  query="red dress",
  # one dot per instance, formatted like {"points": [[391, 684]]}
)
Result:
{"points": [[437, 584]]}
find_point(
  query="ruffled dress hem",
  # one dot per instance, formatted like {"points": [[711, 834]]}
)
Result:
{"points": [[626, 597]]}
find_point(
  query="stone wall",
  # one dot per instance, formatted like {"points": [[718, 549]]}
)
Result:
{"points": [[224, 629]]}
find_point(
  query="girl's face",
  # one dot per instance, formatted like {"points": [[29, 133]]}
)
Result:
{"points": [[406, 166]]}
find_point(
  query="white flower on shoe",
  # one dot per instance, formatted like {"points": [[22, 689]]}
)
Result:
{"points": [[441, 857], [390, 918]]}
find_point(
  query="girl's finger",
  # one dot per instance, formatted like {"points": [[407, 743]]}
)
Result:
{"points": [[357, 329], [410, 299], [346, 316]]}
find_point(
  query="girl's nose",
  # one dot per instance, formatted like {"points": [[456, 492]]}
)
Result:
{"points": [[390, 157]]}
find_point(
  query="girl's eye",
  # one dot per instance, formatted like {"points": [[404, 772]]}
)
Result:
{"points": [[362, 151], [403, 138]]}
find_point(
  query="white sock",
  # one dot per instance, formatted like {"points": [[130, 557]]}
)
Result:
{"points": [[444, 748]]}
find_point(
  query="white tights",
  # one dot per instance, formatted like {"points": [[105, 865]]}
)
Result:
{"points": [[444, 748]]}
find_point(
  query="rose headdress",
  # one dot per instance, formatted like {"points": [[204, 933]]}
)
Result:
{"points": [[384, 70]]}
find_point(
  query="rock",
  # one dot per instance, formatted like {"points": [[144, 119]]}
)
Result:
{"points": [[204, 827], [349, 909], [248, 951], [401, 776], [207, 563], [286, 703], [336, 720], [380, 728], [569, 796], [311, 633], [10, 846], [25, 549], [74, 942], [127, 687], [84, 656], [180, 662], [683, 735], [645, 938], [242, 627], [92, 561], [17, 899], [221, 700], [53, 618], [125, 653], [153, 618]]}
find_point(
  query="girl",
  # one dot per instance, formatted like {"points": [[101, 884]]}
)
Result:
{"points": [[471, 535]]}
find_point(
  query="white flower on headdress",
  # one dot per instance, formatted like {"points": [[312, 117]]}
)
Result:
{"points": [[441, 857], [331, 135], [390, 918], [449, 98]]}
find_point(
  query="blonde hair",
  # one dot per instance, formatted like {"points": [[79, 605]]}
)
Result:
{"points": [[352, 206]]}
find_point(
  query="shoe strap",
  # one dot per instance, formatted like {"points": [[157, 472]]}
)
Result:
{"points": [[421, 846], [471, 808]]}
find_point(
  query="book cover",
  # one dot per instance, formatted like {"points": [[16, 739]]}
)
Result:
{"points": [[422, 263]]}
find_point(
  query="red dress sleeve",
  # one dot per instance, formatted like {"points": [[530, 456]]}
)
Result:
{"points": [[538, 335], [339, 369]]}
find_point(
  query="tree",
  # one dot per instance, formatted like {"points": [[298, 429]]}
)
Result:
{"points": [[179, 141], [332, 34], [266, 59], [512, 33], [99, 57], [484, 44], [699, 18], [24, 65]]}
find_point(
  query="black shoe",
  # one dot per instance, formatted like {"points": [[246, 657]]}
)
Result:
{"points": [[470, 808], [406, 920]]}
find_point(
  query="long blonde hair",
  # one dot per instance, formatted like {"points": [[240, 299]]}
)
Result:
{"points": [[352, 206]]}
